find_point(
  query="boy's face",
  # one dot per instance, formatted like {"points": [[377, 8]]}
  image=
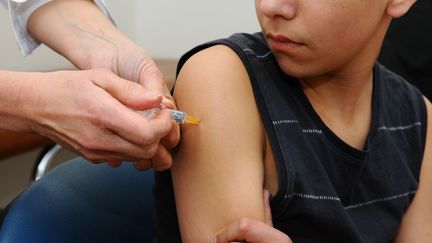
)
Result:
{"points": [[310, 38]]}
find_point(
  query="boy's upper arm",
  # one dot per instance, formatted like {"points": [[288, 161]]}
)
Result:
{"points": [[218, 169], [417, 222]]}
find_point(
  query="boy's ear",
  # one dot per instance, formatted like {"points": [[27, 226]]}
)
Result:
{"points": [[398, 8]]}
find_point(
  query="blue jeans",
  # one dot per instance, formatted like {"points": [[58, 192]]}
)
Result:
{"points": [[82, 202]]}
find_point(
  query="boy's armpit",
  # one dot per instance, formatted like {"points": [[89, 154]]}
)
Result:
{"points": [[218, 169]]}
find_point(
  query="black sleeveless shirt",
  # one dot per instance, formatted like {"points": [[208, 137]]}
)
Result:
{"points": [[328, 190]]}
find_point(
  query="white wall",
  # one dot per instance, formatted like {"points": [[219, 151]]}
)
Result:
{"points": [[166, 28], [182, 24], [11, 59]]}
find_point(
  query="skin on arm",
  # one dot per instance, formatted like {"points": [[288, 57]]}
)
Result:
{"points": [[218, 170], [417, 222]]}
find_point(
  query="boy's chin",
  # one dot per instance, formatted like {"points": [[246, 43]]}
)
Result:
{"points": [[300, 71]]}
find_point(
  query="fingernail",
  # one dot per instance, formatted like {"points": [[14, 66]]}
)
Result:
{"points": [[214, 240], [152, 95], [156, 97]]}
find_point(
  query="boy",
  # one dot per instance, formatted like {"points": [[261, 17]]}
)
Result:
{"points": [[304, 111]]}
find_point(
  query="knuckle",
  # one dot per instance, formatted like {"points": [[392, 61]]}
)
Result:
{"points": [[164, 133], [132, 89], [103, 73], [149, 69], [90, 144], [94, 112], [162, 165], [92, 158], [149, 137], [101, 119], [88, 155], [97, 115], [143, 165], [150, 151], [173, 138], [244, 225], [114, 163], [168, 124]]}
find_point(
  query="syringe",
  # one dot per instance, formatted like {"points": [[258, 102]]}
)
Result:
{"points": [[178, 116]]}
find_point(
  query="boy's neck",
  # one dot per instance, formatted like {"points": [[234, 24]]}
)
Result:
{"points": [[344, 103], [342, 92]]}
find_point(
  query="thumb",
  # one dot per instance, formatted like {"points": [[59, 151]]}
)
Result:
{"points": [[129, 93]]}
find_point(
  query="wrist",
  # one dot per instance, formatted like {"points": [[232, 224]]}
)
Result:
{"points": [[118, 54], [15, 88], [78, 30], [105, 51], [105, 48]]}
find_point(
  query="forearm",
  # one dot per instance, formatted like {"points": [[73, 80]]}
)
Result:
{"points": [[14, 90], [78, 30]]}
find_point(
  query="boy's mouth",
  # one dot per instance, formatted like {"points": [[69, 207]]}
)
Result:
{"points": [[282, 43]]}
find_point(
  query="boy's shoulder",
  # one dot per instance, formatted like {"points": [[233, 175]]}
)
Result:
{"points": [[399, 100], [240, 43], [394, 82], [211, 68]]}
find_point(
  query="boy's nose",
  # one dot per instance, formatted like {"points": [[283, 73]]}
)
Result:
{"points": [[277, 8]]}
